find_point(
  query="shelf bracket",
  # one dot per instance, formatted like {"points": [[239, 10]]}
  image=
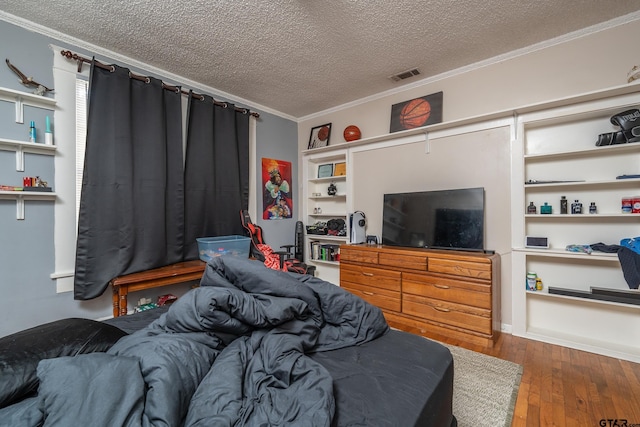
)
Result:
{"points": [[20, 158], [19, 110], [20, 208], [427, 143]]}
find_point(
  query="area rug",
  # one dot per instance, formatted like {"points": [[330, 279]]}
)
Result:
{"points": [[485, 388]]}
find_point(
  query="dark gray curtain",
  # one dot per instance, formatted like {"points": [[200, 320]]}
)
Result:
{"points": [[132, 202], [216, 171]]}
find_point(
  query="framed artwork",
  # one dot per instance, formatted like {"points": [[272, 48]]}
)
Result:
{"points": [[320, 136], [340, 169], [416, 113], [325, 171], [277, 200]]}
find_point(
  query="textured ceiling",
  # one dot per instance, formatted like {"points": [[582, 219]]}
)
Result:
{"points": [[299, 57]]}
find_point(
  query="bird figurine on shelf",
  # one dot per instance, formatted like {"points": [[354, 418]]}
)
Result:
{"points": [[28, 81]]}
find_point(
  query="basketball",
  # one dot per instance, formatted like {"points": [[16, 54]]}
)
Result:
{"points": [[351, 133], [323, 133], [415, 113]]}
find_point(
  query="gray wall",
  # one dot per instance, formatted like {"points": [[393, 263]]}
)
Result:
{"points": [[278, 232], [28, 295]]}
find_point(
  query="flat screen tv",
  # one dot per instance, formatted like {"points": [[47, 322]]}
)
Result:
{"points": [[443, 219]]}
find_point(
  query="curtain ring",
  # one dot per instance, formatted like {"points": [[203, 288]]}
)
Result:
{"points": [[201, 97], [225, 105], [113, 69], [245, 111], [148, 80]]}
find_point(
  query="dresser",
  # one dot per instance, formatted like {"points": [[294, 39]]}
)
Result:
{"points": [[435, 293]]}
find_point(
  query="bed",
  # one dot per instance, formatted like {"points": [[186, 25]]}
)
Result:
{"points": [[249, 347]]}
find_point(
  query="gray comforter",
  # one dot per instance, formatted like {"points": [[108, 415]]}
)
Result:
{"points": [[232, 352]]}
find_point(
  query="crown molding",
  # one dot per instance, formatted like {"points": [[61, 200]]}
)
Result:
{"points": [[166, 76], [481, 64]]}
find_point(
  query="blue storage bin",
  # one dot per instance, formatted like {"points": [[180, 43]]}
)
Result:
{"points": [[211, 247]]}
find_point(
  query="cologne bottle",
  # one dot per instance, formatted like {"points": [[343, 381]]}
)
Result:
{"points": [[563, 205], [531, 209], [546, 208], [576, 207]]}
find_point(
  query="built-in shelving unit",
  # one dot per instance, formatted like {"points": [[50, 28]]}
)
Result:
{"points": [[21, 147], [558, 144], [551, 140], [320, 207]]}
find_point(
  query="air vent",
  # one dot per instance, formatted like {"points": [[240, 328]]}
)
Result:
{"points": [[405, 75]]}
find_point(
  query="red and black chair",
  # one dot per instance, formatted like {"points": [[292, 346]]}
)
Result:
{"points": [[291, 259]]}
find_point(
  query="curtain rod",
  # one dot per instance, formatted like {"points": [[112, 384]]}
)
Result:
{"points": [[70, 55]]}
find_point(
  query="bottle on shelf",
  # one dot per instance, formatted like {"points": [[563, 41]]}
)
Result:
{"points": [[593, 208], [546, 209], [563, 205], [576, 207], [32, 131], [531, 209], [531, 281]]}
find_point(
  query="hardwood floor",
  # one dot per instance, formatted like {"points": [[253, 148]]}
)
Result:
{"points": [[565, 387]]}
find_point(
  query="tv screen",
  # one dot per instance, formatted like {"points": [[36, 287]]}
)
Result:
{"points": [[443, 219]]}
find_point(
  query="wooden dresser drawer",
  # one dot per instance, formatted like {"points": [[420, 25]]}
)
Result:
{"points": [[383, 298], [459, 315], [370, 277], [477, 294], [402, 261], [478, 270], [354, 255]]}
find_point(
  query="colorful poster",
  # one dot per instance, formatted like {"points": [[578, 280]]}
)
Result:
{"points": [[276, 200]]}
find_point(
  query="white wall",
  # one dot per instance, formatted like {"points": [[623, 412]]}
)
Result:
{"points": [[582, 62]]}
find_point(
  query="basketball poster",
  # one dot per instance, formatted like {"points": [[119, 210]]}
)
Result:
{"points": [[277, 201], [416, 113]]}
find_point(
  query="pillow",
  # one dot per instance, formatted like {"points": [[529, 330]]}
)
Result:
{"points": [[88, 390], [21, 352]]}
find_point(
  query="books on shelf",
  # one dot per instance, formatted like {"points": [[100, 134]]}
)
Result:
{"points": [[324, 251]]}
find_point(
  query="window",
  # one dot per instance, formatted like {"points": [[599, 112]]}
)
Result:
{"points": [[82, 89]]}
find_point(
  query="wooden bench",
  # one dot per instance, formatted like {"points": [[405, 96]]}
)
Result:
{"points": [[163, 276]]}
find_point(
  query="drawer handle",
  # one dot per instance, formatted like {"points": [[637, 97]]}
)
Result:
{"points": [[441, 286], [368, 293], [444, 310], [367, 274]]}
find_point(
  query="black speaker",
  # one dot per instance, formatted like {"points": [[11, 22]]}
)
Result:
{"points": [[299, 241]]}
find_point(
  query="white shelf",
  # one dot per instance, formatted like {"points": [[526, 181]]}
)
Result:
{"points": [[22, 147], [557, 142], [561, 253], [24, 98], [331, 207], [328, 263], [328, 179], [608, 182], [545, 294], [336, 197], [584, 216], [327, 238], [22, 196], [594, 151], [329, 215]]}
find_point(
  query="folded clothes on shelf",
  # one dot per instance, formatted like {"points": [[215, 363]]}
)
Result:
{"points": [[579, 248]]}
